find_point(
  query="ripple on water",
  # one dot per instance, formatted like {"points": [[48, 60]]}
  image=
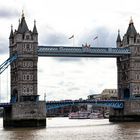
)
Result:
{"points": [[65, 129]]}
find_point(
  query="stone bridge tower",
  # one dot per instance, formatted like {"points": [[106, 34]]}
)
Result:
{"points": [[129, 66], [24, 71], [26, 108], [128, 77]]}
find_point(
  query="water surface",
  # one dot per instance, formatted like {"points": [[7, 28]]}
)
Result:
{"points": [[65, 129]]}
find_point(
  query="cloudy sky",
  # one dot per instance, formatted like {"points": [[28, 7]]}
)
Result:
{"points": [[57, 20]]}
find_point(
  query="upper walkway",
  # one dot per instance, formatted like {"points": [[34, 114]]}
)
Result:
{"points": [[64, 51]]}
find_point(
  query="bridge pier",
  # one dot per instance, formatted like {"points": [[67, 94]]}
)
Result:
{"points": [[25, 114], [130, 112]]}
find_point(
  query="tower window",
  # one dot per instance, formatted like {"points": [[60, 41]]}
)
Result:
{"points": [[27, 77], [27, 37], [24, 77], [27, 89], [27, 47], [138, 40], [24, 89]]}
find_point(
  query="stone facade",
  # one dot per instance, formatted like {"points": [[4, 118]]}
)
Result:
{"points": [[129, 66], [128, 78], [130, 113], [24, 70], [29, 110], [26, 109], [109, 94]]}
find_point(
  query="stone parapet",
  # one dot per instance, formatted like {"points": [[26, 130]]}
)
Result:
{"points": [[25, 114], [130, 113], [29, 110]]}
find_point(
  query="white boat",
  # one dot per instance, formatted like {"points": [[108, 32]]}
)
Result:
{"points": [[96, 115], [106, 115], [85, 115], [79, 115]]}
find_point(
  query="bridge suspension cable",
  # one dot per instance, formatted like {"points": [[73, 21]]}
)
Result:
{"points": [[6, 63], [4, 66], [7, 81], [0, 88]]}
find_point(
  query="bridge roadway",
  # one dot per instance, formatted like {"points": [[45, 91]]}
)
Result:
{"points": [[65, 51], [119, 104]]}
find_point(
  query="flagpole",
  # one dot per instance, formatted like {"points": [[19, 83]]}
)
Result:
{"points": [[72, 37], [97, 42], [73, 41], [94, 39]]}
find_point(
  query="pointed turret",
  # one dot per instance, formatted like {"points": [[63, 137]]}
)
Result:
{"points": [[118, 37], [11, 33], [22, 28], [118, 41], [18, 25], [131, 31], [35, 29]]}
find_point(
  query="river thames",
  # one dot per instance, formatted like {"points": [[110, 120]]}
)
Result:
{"points": [[66, 129]]}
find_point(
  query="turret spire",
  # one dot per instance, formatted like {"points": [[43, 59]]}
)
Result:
{"points": [[11, 33], [131, 20], [22, 28], [35, 29], [22, 13], [118, 37], [131, 31]]}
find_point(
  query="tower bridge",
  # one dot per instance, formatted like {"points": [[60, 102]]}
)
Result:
{"points": [[25, 109]]}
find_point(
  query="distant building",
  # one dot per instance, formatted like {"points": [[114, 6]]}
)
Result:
{"points": [[106, 94], [109, 94], [94, 96]]}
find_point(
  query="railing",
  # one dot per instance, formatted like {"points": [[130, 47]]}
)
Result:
{"points": [[5, 104], [119, 104], [62, 51]]}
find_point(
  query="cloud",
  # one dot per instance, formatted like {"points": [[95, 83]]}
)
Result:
{"points": [[106, 38], [6, 12], [53, 37], [73, 89], [3, 46], [56, 38]]}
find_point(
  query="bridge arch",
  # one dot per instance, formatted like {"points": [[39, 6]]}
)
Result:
{"points": [[126, 93], [14, 95]]}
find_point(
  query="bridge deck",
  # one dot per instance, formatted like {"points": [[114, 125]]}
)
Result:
{"points": [[63, 51], [5, 104], [105, 103], [57, 104]]}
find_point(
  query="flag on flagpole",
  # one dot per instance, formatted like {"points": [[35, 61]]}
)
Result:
{"points": [[71, 37], [95, 37]]}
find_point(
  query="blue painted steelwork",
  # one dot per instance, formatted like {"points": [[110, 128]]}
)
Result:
{"points": [[5, 104], [50, 107], [13, 99], [63, 51], [118, 104], [5, 64]]}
